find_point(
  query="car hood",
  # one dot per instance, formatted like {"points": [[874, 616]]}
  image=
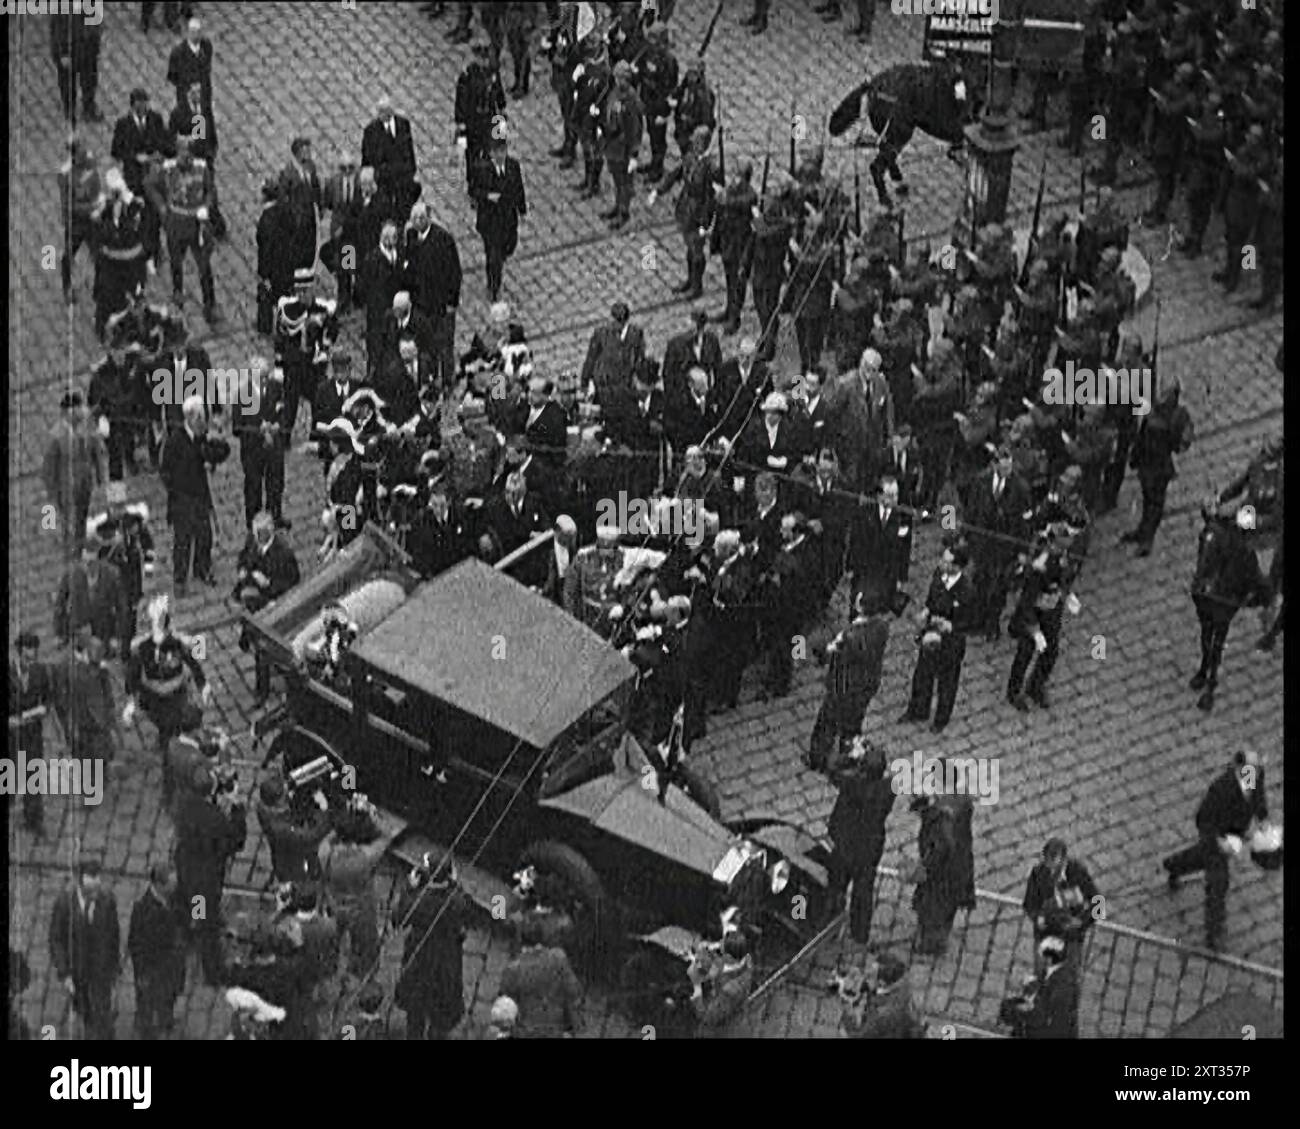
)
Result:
{"points": [[678, 829]]}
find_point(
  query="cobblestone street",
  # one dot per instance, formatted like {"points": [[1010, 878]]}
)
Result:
{"points": [[1116, 766]]}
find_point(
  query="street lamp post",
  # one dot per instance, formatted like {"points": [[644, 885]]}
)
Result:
{"points": [[992, 141]]}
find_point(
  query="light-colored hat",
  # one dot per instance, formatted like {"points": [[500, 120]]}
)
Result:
{"points": [[776, 402]]}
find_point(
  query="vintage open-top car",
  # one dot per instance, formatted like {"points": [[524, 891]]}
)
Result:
{"points": [[491, 723]]}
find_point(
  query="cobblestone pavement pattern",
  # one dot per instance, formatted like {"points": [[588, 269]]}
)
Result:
{"points": [[1116, 766]]}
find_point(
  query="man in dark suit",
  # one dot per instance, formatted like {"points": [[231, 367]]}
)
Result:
{"points": [[902, 463], [497, 188], [433, 270], [401, 379], [516, 516], [1234, 802], [635, 420], [691, 413], [1054, 1012], [91, 592], [191, 61], [856, 656], [85, 944], [1060, 897], [793, 584], [999, 500], [139, 137], [274, 262], [544, 425], [267, 567], [613, 354], [331, 395], [830, 510], [949, 613], [184, 472], [156, 942], [301, 192], [741, 380], [342, 252], [387, 147], [857, 824], [403, 320], [696, 348], [810, 411], [371, 211], [437, 538], [880, 543], [383, 277]]}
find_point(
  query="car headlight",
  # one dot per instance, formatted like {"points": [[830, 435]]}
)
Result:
{"points": [[780, 875]]}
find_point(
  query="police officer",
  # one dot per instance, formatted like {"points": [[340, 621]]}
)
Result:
{"points": [[1247, 168], [594, 87], [1205, 161], [306, 328], [733, 241], [262, 434], [694, 104], [182, 193], [79, 194], [621, 126], [657, 74], [1165, 431], [480, 105], [560, 45], [694, 209], [1169, 141]]}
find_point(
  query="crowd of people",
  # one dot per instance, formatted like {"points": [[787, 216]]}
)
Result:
{"points": [[917, 399]]}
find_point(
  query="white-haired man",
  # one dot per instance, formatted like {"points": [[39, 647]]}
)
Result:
{"points": [[387, 147], [433, 269], [184, 472]]}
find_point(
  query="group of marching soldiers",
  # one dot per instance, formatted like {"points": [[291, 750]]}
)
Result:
{"points": [[1200, 89]]}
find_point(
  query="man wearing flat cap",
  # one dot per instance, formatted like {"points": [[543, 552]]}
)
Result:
{"points": [[621, 124]]}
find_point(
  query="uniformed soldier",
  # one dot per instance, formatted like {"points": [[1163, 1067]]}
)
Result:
{"points": [[621, 126], [772, 230], [262, 432], [594, 87], [306, 328], [1164, 432], [125, 239], [160, 665], [520, 21], [480, 106], [694, 105], [1246, 175], [694, 208], [123, 531], [733, 241], [626, 34], [182, 194], [1205, 163], [1124, 73], [560, 44], [589, 584], [79, 192], [1173, 104], [658, 82]]}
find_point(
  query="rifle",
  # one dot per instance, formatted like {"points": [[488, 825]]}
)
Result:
{"points": [[857, 196], [792, 109], [708, 33], [722, 141], [1031, 246]]}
